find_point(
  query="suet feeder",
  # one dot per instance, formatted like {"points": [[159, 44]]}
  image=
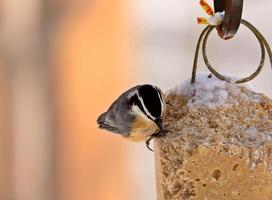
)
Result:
{"points": [[220, 144]]}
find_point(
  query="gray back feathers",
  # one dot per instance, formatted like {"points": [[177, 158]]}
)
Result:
{"points": [[119, 117]]}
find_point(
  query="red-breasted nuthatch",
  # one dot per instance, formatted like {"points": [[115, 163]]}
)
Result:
{"points": [[136, 114]]}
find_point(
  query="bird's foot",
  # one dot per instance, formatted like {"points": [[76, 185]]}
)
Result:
{"points": [[156, 135], [147, 143]]}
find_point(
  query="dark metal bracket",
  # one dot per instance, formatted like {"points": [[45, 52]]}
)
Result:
{"points": [[232, 19]]}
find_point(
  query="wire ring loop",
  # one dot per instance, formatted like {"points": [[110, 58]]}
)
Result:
{"points": [[205, 34], [218, 75]]}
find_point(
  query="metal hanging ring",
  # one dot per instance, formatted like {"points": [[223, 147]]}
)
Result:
{"points": [[218, 75], [205, 34], [232, 19]]}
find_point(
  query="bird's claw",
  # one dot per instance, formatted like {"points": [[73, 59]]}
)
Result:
{"points": [[147, 143], [156, 135]]}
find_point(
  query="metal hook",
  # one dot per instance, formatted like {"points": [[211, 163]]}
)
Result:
{"points": [[232, 19]]}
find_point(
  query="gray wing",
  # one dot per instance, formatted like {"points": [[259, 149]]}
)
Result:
{"points": [[118, 118], [103, 125]]}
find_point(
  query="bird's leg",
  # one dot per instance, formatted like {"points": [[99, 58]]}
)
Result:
{"points": [[161, 133], [147, 143], [156, 135]]}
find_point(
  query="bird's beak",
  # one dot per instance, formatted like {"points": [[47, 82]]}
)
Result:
{"points": [[160, 125]]}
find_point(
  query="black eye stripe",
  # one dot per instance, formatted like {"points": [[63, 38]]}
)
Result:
{"points": [[160, 95], [151, 100]]}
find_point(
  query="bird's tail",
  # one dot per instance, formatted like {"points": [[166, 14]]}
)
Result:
{"points": [[101, 119], [101, 122]]}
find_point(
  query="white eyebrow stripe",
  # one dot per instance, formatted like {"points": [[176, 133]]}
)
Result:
{"points": [[131, 94], [145, 109], [162, 104]]}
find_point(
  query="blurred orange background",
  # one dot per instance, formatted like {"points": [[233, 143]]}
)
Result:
{"points": [[97, 69], [62, 63]]}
